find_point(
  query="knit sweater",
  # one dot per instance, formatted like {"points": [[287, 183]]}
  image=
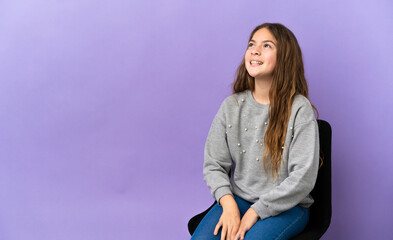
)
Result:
{"points": [[235, 144]]}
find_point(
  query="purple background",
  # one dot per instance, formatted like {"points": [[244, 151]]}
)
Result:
{"points": [[105, 107]]}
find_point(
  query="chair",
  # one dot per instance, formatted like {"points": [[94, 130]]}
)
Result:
{"points": [[321, 209]]}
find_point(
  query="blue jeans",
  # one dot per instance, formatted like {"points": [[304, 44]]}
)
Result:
{"points": [[283, 226]]}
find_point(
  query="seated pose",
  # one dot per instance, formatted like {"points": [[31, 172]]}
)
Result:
{"points": [[262, 150]]}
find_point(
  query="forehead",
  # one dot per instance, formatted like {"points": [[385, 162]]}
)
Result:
{"points": [[263, 34]]}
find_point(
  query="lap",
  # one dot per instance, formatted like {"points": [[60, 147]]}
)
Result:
{"points": [[282, 226]]}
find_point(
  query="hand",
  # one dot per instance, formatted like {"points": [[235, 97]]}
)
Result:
{"points": [[230, 218], [248, 220]]}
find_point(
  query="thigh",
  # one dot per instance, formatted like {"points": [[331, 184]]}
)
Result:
{"points": [[280, 227], [205, 229], [242, 204]]}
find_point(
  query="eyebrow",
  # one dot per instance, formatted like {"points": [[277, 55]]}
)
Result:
{"points": [[264, 41]]}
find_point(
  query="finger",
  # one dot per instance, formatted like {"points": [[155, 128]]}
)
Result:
{"points": [[217, 227], [242, 235], [237, 236], [230, 233], [233, 233], [223, 232], [238, 233]]}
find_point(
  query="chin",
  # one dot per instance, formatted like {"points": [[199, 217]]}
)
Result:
{"points": [[253, 74]]}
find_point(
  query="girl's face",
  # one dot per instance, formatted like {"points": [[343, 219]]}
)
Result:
{"points": [[260, 57]]}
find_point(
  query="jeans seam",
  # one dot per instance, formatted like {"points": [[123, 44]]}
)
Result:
{"points": [[297, 219]]}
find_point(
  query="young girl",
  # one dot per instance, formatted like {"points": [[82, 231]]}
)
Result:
{"points": [[262, 151]]}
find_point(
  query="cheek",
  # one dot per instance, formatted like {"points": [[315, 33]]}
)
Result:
{"points": [[247, 56], [246, 59], [272, 60]]}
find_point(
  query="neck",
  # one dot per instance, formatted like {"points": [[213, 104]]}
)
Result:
{"points": [[261, 91]]}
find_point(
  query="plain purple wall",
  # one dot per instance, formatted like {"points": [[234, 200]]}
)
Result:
{"points": [[105, 107]]}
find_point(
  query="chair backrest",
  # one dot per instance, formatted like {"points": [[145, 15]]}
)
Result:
{"points": [[322, 192], [321, 210]]}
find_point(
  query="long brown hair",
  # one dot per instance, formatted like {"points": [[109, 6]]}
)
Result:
{"points": [[288, 81]]}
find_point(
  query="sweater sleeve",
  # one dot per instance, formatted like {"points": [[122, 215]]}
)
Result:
{"points": [[218, 160], [303, 163]]}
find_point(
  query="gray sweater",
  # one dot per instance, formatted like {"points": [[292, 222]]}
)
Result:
{"points": [[235, 143]]}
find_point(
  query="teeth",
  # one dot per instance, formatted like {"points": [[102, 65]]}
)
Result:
{"points": [[256, 62]]}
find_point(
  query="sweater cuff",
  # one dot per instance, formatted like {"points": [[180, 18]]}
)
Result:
{"points": [[262, 210], [220, 192]]}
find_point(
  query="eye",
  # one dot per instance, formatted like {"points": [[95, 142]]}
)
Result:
{"points": [[266, 45], [250, 44]]}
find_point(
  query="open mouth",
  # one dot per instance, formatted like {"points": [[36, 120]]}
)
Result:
{"points": [[253, 62]]}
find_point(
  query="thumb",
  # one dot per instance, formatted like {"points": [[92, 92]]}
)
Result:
{"points": [[219, 224]]}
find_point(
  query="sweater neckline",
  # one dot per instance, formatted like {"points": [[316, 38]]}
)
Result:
{"points": [[255, 103]]}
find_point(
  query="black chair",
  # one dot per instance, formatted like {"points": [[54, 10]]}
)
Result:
{"points": [[321, 209]]}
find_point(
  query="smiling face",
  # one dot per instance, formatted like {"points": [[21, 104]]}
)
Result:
{"points": [[260, 57]]}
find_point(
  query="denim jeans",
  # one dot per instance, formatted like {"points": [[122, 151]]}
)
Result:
{"points": [[283, 226]]}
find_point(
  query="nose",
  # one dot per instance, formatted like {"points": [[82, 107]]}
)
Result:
{"points": [[255, 52]]}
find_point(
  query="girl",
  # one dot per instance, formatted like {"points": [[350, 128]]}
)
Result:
{"points": [[262, 150]]}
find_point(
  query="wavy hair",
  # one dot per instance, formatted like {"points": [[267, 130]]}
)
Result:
{"points": [[288, 81]]}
